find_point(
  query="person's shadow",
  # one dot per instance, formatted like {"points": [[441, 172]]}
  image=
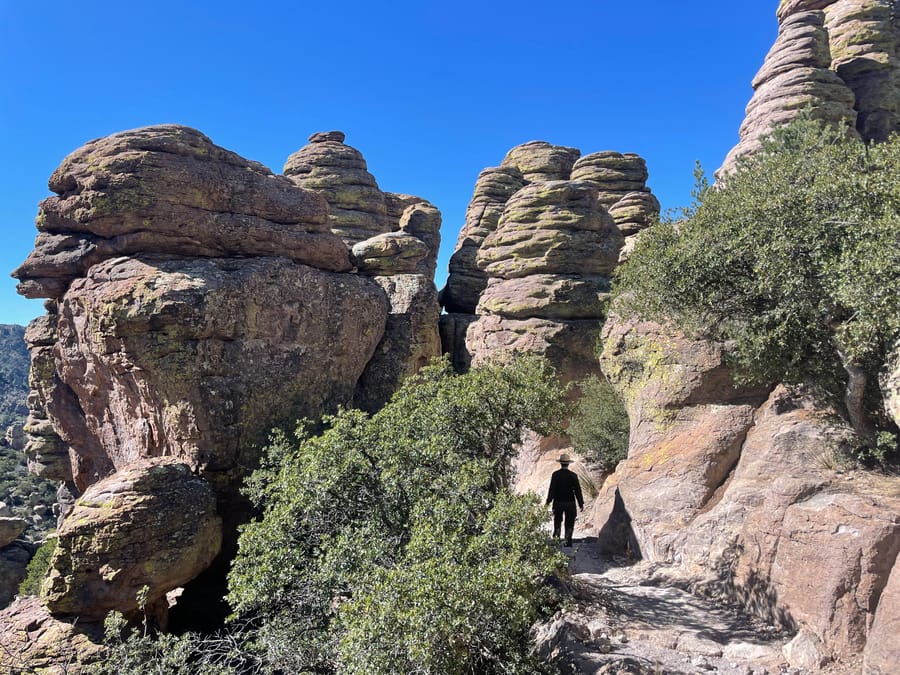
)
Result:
{"points": [[616, 537]]}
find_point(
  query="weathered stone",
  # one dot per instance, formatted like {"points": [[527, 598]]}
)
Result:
{"points": [[634, 212], [567, 345], [389, 253], [541, 161], [170, 190], [357, 208], [837, 58], [805, 651], [688, 421], [465, 282], [151, 524], [865, 52], [411, 338], [14, 559], [553, 227], [32, 641], [10, 529], [199, 358], [882, 652], [613, 174], [546, 296], [422, 220]]}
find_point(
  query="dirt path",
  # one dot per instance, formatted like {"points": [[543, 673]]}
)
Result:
{"points": [[628, 618]]}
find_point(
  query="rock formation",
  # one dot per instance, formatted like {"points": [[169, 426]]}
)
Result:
{"points": [[196, 300], [840, 59], [532, 263], [735, 486], [152, 525], [394, 238]]}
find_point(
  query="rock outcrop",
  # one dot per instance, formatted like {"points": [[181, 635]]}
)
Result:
{"points": [[532, 264], [840, 59], [196, 300], [394, 238], [736, 487], [14, 559], [152, 525]]}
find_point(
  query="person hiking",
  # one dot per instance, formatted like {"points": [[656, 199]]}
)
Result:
{"points": [[565, 491]]}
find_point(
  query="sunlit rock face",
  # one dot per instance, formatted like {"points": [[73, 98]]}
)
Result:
{"points": [[838, 59], [735, 486]]}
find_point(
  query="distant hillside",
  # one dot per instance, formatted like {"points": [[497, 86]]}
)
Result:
{"points": [[14, 364]]}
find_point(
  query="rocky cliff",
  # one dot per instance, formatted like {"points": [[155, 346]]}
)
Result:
{"points": [[839, 59], [194, 301], [739, 488]]}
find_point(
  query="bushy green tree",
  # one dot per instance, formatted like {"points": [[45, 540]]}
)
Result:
{"points": [[392, 543], [599, 426], [794, 259]]}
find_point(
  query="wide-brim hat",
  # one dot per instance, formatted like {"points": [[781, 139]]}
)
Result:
{"points": [[564, 458]]}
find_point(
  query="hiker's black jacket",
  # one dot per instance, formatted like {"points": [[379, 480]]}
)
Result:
{"points": [[564, 487]]}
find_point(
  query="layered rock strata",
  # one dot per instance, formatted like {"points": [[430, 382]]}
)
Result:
{"points": [[735, 486], [532, 263], [394, 238], [196, 300], [840, 59]]}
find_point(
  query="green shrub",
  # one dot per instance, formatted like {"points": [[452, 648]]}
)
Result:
{"points": [[599, 426], [392, 543], [793, 261], [37, 569]]}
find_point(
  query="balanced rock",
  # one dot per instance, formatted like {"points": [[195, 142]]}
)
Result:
{"points": [[539, 160], [357, 208], [151, 524], [170, 190], [634, 212], [389, 253], [10, 529], [422, 220], [614, 174]]}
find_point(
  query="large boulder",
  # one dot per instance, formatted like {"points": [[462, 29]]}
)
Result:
{"points": [[170, 190], [199, 358], [146, 530], [33, 641], [540, 161], [10, 529]]}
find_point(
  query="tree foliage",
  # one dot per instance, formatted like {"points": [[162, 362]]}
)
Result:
{"points": [[794, 259], [392, 543], [599, 425]]}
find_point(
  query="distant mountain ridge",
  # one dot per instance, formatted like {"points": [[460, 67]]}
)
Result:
{"points": [[14, 365]]}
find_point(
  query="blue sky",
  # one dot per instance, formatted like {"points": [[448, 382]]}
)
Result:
{"points": [[430, 92]]}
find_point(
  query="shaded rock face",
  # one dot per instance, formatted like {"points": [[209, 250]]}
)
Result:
{"points": [[733, 485], [840, 59], [152, 523], [882, 648], [14, 559]]}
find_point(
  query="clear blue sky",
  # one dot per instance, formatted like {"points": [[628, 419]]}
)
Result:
{"points": [[430, 92]]}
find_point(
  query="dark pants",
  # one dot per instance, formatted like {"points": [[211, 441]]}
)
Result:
{"points": [[569, 510]]}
